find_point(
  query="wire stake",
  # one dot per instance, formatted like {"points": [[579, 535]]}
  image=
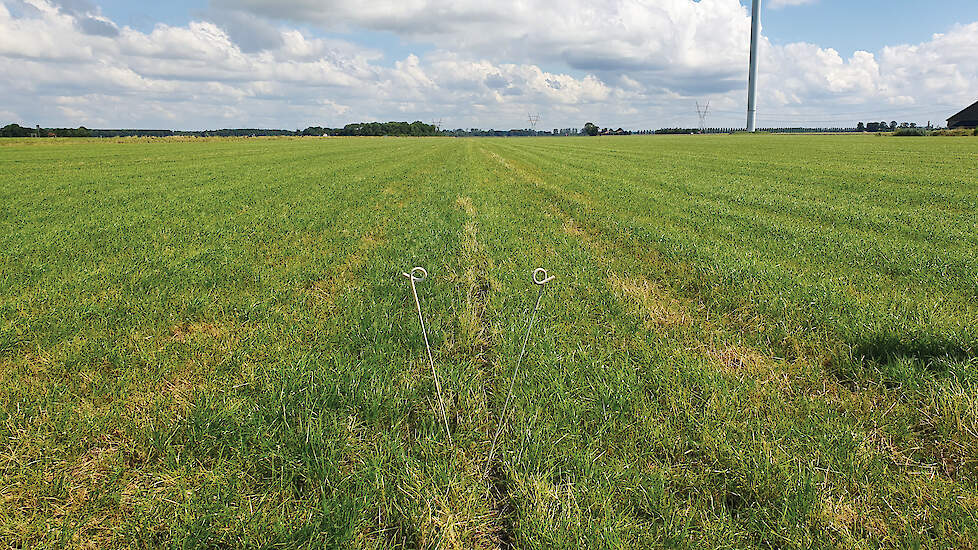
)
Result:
{"points": [[417, 275], [540, 278]]}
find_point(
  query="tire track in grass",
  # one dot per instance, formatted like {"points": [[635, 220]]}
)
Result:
{"points": [[477, 342], [476, 333]]}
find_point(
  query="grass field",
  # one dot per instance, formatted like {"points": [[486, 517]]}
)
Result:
{"points": [[752, 341]]}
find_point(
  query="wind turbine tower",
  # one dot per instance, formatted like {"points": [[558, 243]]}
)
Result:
{"points": [[755, 37]]}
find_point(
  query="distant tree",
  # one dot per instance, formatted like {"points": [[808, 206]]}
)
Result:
{"points": [[419, 128], [590, 129], [860, 127], [893, 125], [15, 130]]}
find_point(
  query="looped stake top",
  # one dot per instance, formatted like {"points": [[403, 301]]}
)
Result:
{"points": [[417, 274], [540, 276]]}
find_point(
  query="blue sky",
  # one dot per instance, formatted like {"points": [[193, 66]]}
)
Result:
{"points": [[292, 63], [850, 25]]}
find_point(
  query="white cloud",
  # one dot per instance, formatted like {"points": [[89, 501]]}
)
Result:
{"points": [[665, 36], [619, 63]]}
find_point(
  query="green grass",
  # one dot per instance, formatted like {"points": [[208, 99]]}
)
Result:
{"points": [[752, 341]]}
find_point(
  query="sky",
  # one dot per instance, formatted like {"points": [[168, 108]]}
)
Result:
{"points": [[637, 64]]}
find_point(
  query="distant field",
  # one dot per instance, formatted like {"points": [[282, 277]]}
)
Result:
{"points": [[752, 341]]}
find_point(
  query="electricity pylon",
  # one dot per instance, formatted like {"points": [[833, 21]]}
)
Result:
{"points": [[702, 112]]}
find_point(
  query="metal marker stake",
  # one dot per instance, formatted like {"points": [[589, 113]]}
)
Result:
{"points": [[540, 278], [422, 275]]}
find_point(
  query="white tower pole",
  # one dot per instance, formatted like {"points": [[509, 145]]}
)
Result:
{"points": [[755, 37]]}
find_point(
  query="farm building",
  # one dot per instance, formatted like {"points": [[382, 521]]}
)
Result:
{"points": [[968, 118]]}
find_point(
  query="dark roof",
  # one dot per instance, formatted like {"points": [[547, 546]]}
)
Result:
{"points": [[969, 113]]}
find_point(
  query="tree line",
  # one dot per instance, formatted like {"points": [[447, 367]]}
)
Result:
{"points": [[16, 130], [416, 128]]}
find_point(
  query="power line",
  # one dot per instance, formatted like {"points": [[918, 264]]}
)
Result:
{"points": [[533, 119]]}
